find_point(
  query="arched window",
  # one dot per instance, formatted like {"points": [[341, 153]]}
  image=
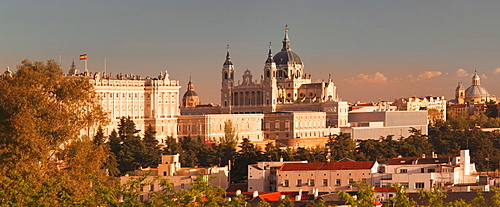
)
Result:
{"points": [[268, 73]]}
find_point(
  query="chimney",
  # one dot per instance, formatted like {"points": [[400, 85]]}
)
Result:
{"points": [[316, 193], [255, 193], [282, 197], [298, 197], [423, 155], [300, 191], [238, 192]]}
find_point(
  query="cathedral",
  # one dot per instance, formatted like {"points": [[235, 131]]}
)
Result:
{"points": [[283, 82], [474, 93], [283, 86]]}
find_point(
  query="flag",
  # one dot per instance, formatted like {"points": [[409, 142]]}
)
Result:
{"points": [[83, 57]]}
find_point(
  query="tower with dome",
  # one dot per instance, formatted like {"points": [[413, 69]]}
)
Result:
{"points": [[473, 94]]}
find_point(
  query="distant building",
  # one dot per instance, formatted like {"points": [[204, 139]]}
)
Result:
{"points": [[284, 86], [263, 176], [372, 125], [210, 127], [417, 173], [180, 177], [147, 101], [190, 98], [324, 176], [435, 105], [473, 94]]}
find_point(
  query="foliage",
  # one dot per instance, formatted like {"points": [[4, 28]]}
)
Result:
{"points": [[401, 199], [434, 197], [364, 195]]}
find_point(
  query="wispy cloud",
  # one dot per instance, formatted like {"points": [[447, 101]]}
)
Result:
{"points": [[462, 73], [483, 76], [497, 70], [377, 78], [429, 74]]}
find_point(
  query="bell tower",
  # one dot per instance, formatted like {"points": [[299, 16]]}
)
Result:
{"points": [[270, 85], [460, 93], [227, 81]]}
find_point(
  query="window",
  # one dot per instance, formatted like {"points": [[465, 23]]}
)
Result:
{"points": [[422, 170], [405, 185], [403, 170], [299, 182], [351, 181], [182, 185], [325, 182], [152, 187], [311, 182], [337, 182], [286, 183], [419, 185], [431, 170]]}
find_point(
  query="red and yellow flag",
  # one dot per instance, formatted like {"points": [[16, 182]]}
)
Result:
{"points": [[83, 56]]}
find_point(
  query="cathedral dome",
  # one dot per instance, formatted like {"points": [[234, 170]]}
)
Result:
{"points": [[476, 91], [190, 98], [287, 57], [190, 94]]}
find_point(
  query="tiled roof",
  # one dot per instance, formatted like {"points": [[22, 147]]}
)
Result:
{"points": [[327, 166]]}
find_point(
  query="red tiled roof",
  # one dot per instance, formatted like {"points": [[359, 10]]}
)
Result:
{"points": [[385, 189], [327, 166]]}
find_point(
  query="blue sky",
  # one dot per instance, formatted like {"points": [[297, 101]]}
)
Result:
{"points": [[381, 49]]}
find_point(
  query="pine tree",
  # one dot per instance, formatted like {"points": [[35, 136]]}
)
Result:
{"points": [[153, 151]]}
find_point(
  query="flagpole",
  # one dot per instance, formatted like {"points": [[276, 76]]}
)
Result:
{"points": [[85, 64], [104, 66]]}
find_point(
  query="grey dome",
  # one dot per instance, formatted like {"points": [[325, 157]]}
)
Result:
{"points": [[476, 91], [287, 57]]}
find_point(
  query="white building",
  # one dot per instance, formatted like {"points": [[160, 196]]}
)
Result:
{"points": [[263, 176], [211, 126], [372, 125], [147, 101], [181, 178], [324, 176], [425, 172], [435, 105]]}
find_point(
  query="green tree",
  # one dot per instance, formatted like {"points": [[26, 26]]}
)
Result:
{"points": [[434, 197], [364, 195], [152, 156], [341, 146], [45, 161], [401, 199], [491, 109]]}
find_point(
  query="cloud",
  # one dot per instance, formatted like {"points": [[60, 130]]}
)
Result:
{"points": [[429, 74], [483, 76], [497, 70], [462, 73], [377, 78]]}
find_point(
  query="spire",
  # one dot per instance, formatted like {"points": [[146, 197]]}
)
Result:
{"points": [[190, 84], [460, 86], [228, 58], [286, 41], [270, 58]]}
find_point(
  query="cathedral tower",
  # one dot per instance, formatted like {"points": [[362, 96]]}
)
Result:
{"points": [[270, 86], [227, 80], [190, 98], [460, 93]]}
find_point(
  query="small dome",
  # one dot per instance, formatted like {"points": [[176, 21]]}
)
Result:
{"points": [[190, 94], [287, 57]]}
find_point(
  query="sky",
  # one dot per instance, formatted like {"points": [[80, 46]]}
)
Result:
{"points": [[374, 50]]}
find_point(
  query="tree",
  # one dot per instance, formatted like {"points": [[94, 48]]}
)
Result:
{"points": [[45, 161], [401, 199], [491, 109], [434, 197], [153, 152], [364, 195], [249, 154], [341, 146]]}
